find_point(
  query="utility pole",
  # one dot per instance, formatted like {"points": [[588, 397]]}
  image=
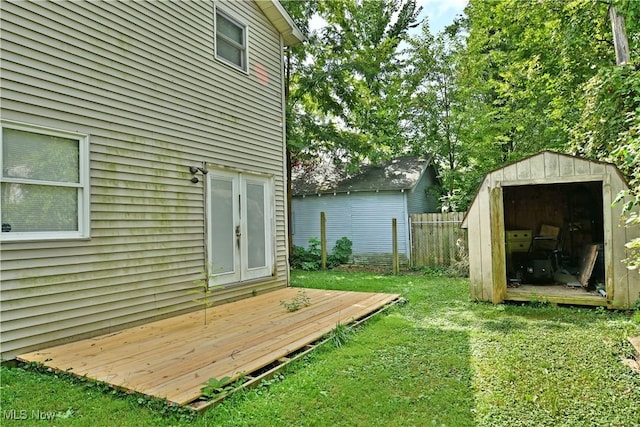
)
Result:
{"points": [[620, 41]]}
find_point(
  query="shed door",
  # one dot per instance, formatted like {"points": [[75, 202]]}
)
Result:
{"points": [[240, 229]]}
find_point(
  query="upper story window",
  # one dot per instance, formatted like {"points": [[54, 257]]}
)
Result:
{"points": [[231, 41], [44, 183]]}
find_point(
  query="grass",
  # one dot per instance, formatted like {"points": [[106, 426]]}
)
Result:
{"points": [[439, 360]]}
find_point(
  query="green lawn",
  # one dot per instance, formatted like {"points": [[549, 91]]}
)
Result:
{"points": [[437, 360]]}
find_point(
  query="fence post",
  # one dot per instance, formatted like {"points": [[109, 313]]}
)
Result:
{"points": [[323, 240], [394, 244]]}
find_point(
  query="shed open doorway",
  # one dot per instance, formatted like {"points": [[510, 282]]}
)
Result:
{"points": [[554, 241]]}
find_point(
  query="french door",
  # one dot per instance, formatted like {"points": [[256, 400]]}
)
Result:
{"points": [[240, 226]]}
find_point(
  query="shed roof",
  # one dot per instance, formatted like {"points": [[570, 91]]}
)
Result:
{"points": [[401, 173]]}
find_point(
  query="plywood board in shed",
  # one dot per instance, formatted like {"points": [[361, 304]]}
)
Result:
{"points": [[587, 262]]}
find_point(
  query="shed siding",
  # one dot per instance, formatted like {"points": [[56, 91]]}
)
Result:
{"points": [[365, 218], [475, 261], [623, 286], [140, 78], [625, 283], [484, 222], [632, 276]]}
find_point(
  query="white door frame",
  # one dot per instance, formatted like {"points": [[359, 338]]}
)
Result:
{"points": [[234, 211]]}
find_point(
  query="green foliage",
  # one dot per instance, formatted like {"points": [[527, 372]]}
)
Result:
{"points": [[94, 402], [307, 259], [435, 108], [610, 119], [214, 387], [340, 335], [205, 291], [341, 252], [609, 130], [311, 258], [300, 300], [520, 77], [346, 87]]}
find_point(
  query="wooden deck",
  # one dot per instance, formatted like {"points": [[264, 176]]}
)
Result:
{"points": [[174, 357], [557, 294]]}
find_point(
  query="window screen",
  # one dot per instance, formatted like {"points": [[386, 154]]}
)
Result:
{"points": [[41, 183]]}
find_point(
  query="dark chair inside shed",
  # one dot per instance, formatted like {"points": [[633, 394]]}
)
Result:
{"points": [[548, 244], [544, 257]]}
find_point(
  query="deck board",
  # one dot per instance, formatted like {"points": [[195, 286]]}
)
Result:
{"points": [[173, 358]]}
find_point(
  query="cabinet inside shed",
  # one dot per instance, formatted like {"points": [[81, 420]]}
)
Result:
{"points": [[576, 209]]}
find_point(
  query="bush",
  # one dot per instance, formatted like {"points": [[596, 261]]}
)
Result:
{"points": [[307, 259], [341, 252], [311, 258]]}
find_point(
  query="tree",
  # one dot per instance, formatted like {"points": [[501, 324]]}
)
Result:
{"points": [[343, 91], [346, 91], [436, 122], [540, 75], [609, 125], [524, 66]]}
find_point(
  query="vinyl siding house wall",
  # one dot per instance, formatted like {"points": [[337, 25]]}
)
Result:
{"points": [[136, 95], [362, 206]]}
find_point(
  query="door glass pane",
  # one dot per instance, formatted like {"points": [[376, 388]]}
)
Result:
{"points": [[38, 208], [223, 231], [256, 226]]}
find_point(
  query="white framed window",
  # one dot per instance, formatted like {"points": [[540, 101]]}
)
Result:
{"points": [[44, 183], [231, 41]]}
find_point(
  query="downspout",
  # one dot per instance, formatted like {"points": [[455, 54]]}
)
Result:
{"points": [[205, 241], [286, 156]]}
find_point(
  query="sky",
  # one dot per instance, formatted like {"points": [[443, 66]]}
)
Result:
{"points": [[441, 13]]}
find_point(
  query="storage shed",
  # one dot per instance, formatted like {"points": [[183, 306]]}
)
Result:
{"points": [[546, 229], [361, 205]]}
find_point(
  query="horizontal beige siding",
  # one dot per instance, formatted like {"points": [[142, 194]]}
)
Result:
{"points": [[141, 80]]}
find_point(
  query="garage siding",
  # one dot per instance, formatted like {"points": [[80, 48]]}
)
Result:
{"points": [[365, 218]]}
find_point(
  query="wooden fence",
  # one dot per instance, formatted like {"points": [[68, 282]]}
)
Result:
{"points": [[437, 239]]}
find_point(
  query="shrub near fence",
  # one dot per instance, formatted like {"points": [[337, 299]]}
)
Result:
{"points": [[437, 239]]}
